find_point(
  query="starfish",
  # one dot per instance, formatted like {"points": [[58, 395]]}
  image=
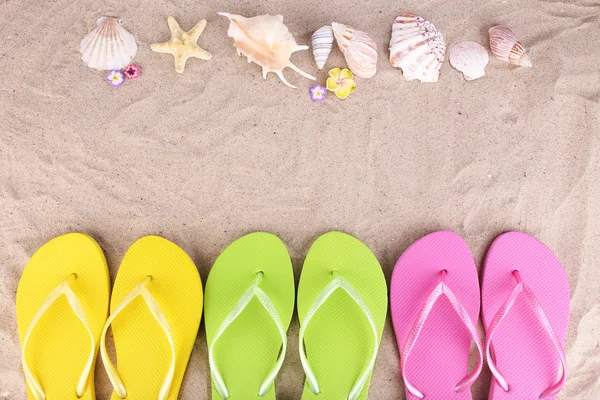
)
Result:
{"points": [[183, 44]]}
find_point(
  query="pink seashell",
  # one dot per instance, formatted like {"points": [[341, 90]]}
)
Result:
{"points": [[417, 48], [505, 46], [360, 51]]}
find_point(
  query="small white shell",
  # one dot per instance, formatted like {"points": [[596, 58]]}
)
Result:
{"points": [[360, 51], [322, 41], [108, 46], [470, 58], [506, 47], [417, 48]]}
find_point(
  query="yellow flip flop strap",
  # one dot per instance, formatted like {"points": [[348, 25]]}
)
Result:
{"points": [[113, 375], [62, 289]]}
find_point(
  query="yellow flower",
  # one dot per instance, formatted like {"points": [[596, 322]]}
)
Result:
{"points": [[341, 82]]}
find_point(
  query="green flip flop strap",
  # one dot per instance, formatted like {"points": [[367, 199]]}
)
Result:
{"points": [[338, 283], [253, 291]]}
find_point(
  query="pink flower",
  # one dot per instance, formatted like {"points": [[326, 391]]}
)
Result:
{"points": [[132, 71]]}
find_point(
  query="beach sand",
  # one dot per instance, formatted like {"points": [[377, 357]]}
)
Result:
{"points": [[205, 157]]}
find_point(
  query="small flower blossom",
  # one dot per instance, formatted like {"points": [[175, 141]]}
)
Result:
{"points": [[115, 78], [132, 71], [317, 93], [341, 82]]}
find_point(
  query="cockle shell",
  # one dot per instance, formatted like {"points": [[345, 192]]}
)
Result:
{"points": [[470, 58], [108, 46], [360, 51], [506, 47], [417, 48], [265, 40], [322, 41]]}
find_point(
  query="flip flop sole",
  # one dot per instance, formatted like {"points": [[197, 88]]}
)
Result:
{"points": [[339, 339], [59, 345], [143, 353], [248, 349], [521, 348], [440, 358]]}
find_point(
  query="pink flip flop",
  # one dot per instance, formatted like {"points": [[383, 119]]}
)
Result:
{"points": [[435, 306], [525, 297]]}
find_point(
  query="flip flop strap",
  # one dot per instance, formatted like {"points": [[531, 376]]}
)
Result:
{"points": [[62, 289], [338, 283], [522, 288], [441, 289], [253, 291], [139, 290]]}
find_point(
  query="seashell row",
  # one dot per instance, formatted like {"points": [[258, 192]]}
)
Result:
{"points": [[266, 41], [360, 51], [417, 48], [322, 41], [506, 47], [470, 58], [108, 46]]}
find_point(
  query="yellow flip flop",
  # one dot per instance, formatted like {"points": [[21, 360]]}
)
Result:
{"points": [[62, 304], [155, 312]]}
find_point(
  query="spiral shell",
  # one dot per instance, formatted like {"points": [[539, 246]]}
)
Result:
{"points": [[360, 51], [470, 58], [108, 46], [417, 48], [322, 41], [265, 40], [506, 47]]}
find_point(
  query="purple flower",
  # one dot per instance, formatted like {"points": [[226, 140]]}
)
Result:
{"points": [[317, 93], [115, 78], [132, 71]]}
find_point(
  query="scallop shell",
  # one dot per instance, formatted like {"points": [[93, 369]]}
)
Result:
{"points": [[265, 40], [470, 58], [108, 46], [417, 48], [360, 51], [322, 41], [506, 47]]}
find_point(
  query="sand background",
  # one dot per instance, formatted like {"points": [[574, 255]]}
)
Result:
{"points": [[205, 157]]}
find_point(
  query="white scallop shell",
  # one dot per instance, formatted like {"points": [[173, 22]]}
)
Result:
{"points": [[506, 47], [108, 46], [360, 51], [417, 48], [470, 58], [322, 41]]}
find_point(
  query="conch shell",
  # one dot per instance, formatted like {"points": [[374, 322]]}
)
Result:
{"points": [[265, 40], [506, 47], [360, 51], [322, 41], [417, 48], [108, 46], [470, 58]]}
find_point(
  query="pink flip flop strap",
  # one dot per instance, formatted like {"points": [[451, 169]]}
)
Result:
{"points": [[522, 288], [441, 289]]}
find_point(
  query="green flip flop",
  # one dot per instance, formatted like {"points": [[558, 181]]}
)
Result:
{"points": [[342, 306], [248, 305]]}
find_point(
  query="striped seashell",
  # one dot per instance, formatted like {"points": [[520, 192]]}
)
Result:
{"points": [[322, 41], [108, 46], [360, 51], [505, 46], [417, 48]]}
